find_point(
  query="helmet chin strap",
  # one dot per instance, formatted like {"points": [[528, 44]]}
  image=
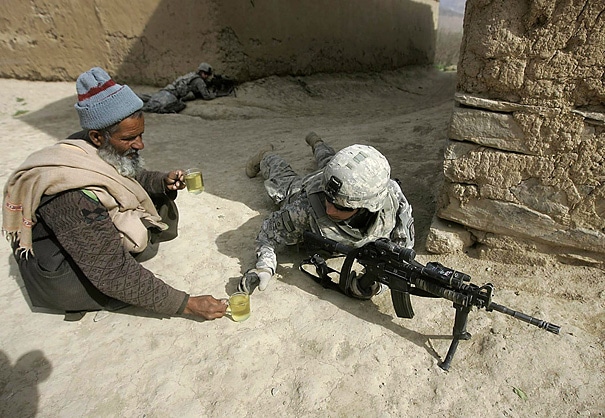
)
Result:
{"points": [[361, 220]]}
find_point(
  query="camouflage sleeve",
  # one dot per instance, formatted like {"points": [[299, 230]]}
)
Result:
{"points": [[403, 233], [283, 227], [200, 89]]}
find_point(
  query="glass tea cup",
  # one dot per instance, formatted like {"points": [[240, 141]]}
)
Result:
{"points": [[194, 180], [239, 306]]}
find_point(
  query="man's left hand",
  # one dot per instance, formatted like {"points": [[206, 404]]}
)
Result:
{"points": [[175, 180]]}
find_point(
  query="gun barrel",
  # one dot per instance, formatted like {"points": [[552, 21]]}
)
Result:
{"points": [[526, 318]]}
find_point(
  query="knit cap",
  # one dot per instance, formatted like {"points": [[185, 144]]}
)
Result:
{"points": [[101, 101]]}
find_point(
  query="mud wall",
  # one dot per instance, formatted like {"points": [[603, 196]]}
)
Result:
{"points": [[525, 168], [153, 41]]}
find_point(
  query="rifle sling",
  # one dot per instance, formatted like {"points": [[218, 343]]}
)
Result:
{"points": [[322, 277]]}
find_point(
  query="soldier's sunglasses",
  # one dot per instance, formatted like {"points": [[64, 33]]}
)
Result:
{"points": [[337, 206]]}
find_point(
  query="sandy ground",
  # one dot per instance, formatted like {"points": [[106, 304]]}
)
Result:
{"points": [[305, 351]]}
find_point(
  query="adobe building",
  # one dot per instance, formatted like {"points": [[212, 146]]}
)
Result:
{"points": [[152, 42], [525, 166]]}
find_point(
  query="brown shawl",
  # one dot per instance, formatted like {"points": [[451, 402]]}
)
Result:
{"points": [[73, 165]]}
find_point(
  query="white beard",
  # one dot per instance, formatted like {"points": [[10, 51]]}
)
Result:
{"points": [[125, 165]]}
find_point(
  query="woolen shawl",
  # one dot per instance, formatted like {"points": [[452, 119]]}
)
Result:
{"points": [[74, 164]]}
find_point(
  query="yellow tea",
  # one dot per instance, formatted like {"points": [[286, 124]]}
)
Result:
{"points": [[239, 306], [194, 181]]}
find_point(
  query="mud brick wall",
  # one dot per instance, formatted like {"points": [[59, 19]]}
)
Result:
{"points": [[525, 166], [154, 41]]}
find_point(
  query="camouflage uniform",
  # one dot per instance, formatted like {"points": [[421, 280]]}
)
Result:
{"points": [[301, 203], [172, 97]]}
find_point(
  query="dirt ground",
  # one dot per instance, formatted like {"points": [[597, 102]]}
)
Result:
{"points": [[305, 351]]}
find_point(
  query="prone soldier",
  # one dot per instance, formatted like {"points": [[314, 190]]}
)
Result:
{"points": [[351, 199]]}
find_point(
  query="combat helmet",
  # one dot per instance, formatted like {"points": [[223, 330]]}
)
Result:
{"points": [[357, 177], [205, 67]]}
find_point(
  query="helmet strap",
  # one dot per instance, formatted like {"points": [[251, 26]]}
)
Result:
{"points": [[361, 220]]}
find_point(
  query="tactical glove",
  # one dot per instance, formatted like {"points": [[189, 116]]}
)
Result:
{"points": [[375, 289], [253, 278]]}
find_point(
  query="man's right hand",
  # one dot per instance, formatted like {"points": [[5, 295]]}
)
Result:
{"points": [[206, 306]]}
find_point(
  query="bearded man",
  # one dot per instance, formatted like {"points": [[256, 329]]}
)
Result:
{"points": [[82, 214]]}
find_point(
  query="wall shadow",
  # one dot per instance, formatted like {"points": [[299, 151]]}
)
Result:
{"points": [[182, 140], [250, 40]]}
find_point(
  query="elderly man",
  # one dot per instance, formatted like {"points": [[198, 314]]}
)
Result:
{"points": [[351, 199], [81, 214], [200, 84]]}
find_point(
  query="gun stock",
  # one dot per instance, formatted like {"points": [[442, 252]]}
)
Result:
{"points": [[326, 244]]}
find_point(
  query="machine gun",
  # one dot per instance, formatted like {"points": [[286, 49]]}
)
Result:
{"points": [[222, 85], [394, 266]]}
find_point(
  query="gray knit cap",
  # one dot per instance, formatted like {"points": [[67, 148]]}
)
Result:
{"points": [[101, 101]]}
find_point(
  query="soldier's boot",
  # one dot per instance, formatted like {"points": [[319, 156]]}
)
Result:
{"points": [[312, 139], [253, 164]]}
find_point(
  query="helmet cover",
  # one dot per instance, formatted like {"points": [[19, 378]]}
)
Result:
{"points": [[205, 67], [357, 177]]}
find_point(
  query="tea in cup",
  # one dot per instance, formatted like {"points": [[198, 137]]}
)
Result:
{"points": [[239, 306], [194, 180]]}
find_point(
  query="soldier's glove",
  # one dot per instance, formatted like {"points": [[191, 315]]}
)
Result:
{"points": [[253, 278], [357, 292]]}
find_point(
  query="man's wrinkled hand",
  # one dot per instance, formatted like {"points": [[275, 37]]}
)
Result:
{"points": [[175, 180], [253, 278], [206, 306]]}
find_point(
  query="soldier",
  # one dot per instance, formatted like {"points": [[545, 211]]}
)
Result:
{"points": [[350, 199], [191, 86]]}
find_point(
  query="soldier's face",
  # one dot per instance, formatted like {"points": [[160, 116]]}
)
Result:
{"points": [[338, 215]]}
